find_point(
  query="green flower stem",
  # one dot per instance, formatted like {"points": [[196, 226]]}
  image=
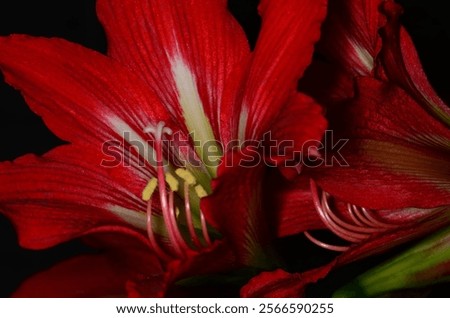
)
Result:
{"points": [[424, 264]]}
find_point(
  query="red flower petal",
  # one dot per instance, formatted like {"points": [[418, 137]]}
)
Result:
{"points": [[124, 261], [67, 193], [282, 284], [235, 207], [381, 243], [397, 153], [83, 97], [294, 207], [146, 275], [129, 252], [155, 37], [301, 122], [82, 276], [219, 257], [350, 34], [283, 51], [348, 47], [402, 65]]}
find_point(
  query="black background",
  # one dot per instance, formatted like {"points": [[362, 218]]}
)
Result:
{"points": [[23, 132]]}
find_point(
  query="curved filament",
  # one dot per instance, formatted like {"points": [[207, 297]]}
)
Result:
{"points": [[189, 220], [205, 230], [376, 222], [360, 228], [327, 246], [168, 208], [151, 234]]}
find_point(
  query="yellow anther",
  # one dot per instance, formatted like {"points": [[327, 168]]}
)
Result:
{"points": [[149, 189], [201, 193], [186, 176], [172, 181]]}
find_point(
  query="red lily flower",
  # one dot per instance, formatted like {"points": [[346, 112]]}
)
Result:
{"points": [[178, 75], [396, 185]]}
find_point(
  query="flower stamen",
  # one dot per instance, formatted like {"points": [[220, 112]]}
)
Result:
{"points": [[189, 220], [205, 230], [356, 216], [201, 193], [364, 224], [168, 185], [326, 246], [181, 244], [377, 222], [151, 234]]}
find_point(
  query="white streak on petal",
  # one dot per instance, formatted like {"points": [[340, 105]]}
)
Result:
{"points": [[128, 134], [138, 219], [134, 218], [243, 118], [365, 58], [188, 96]]}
